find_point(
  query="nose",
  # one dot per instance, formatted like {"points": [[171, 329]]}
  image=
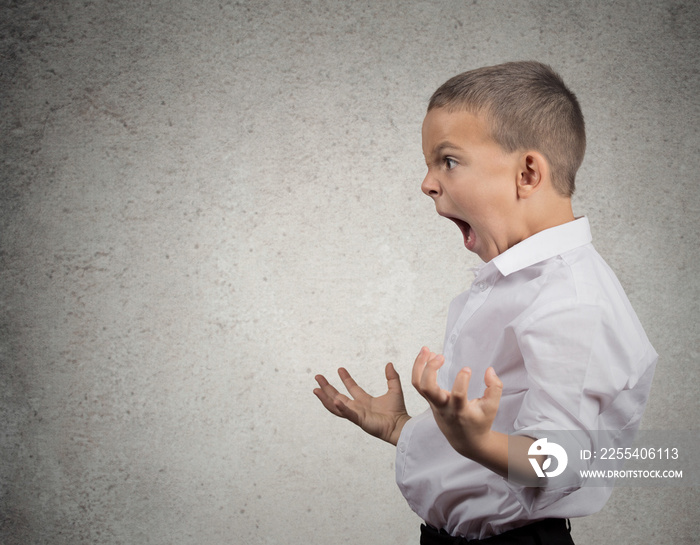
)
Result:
{"points": [[430, 186]]}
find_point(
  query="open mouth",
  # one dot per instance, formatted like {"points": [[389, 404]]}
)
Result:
{"points": [[467, 231]]}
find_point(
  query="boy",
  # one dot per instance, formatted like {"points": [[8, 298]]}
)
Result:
{"points": [[545, 322]]}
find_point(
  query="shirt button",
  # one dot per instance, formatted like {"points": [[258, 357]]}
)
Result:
{"points": [[402, 447], [482, 286], [453, 337]]}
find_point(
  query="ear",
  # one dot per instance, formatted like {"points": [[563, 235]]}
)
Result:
{"points": [[534, 170]]}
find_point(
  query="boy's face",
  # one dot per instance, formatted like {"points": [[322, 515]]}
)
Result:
{"points": [[472, 180]]}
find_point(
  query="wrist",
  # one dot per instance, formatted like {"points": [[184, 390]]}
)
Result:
{"points": [[396, 432]]}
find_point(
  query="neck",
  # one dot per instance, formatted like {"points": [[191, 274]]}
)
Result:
{"points": [[549, 213]]}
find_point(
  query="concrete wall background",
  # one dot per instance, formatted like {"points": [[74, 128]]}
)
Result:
{"points": [[205, 204]]}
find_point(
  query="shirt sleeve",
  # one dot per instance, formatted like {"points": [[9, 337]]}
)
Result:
{"points": [[584, 367]]}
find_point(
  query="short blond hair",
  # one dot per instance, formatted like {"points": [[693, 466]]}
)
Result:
{"points": [[527, 106]]}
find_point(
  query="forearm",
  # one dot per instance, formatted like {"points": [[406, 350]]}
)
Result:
{"points": [[506, 455]]}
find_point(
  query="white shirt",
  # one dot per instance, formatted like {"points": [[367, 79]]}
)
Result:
{"points": [[552, 319]]}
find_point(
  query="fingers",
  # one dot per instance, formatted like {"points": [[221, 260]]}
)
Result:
{"points": [[424, 377], [346, 412], [492, 395], [328, 395], [336, 402], [419, 365], [458, 397], [350, 384], [494, 389]]}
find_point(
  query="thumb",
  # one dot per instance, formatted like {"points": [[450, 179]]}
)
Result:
{"points": [[392, 377]]}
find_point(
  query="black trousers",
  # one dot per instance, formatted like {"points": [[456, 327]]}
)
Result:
{"points": [[543, 532]]}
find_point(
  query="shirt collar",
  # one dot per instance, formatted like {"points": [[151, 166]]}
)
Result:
{"points": [[544, 245]]}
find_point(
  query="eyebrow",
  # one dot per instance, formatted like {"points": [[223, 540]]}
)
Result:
{"points": [[442, 146]]}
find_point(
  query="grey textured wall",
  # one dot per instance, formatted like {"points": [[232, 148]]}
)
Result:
{"points": [[206, 203]]}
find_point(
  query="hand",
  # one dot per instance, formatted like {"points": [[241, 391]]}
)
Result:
{"points": [[465, 423], [382, 416]]}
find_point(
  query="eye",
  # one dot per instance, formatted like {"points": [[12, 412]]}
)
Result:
{"points": [[449, 163]]}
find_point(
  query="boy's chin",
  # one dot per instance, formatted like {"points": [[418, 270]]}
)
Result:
{"points": [[486, 254]]}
